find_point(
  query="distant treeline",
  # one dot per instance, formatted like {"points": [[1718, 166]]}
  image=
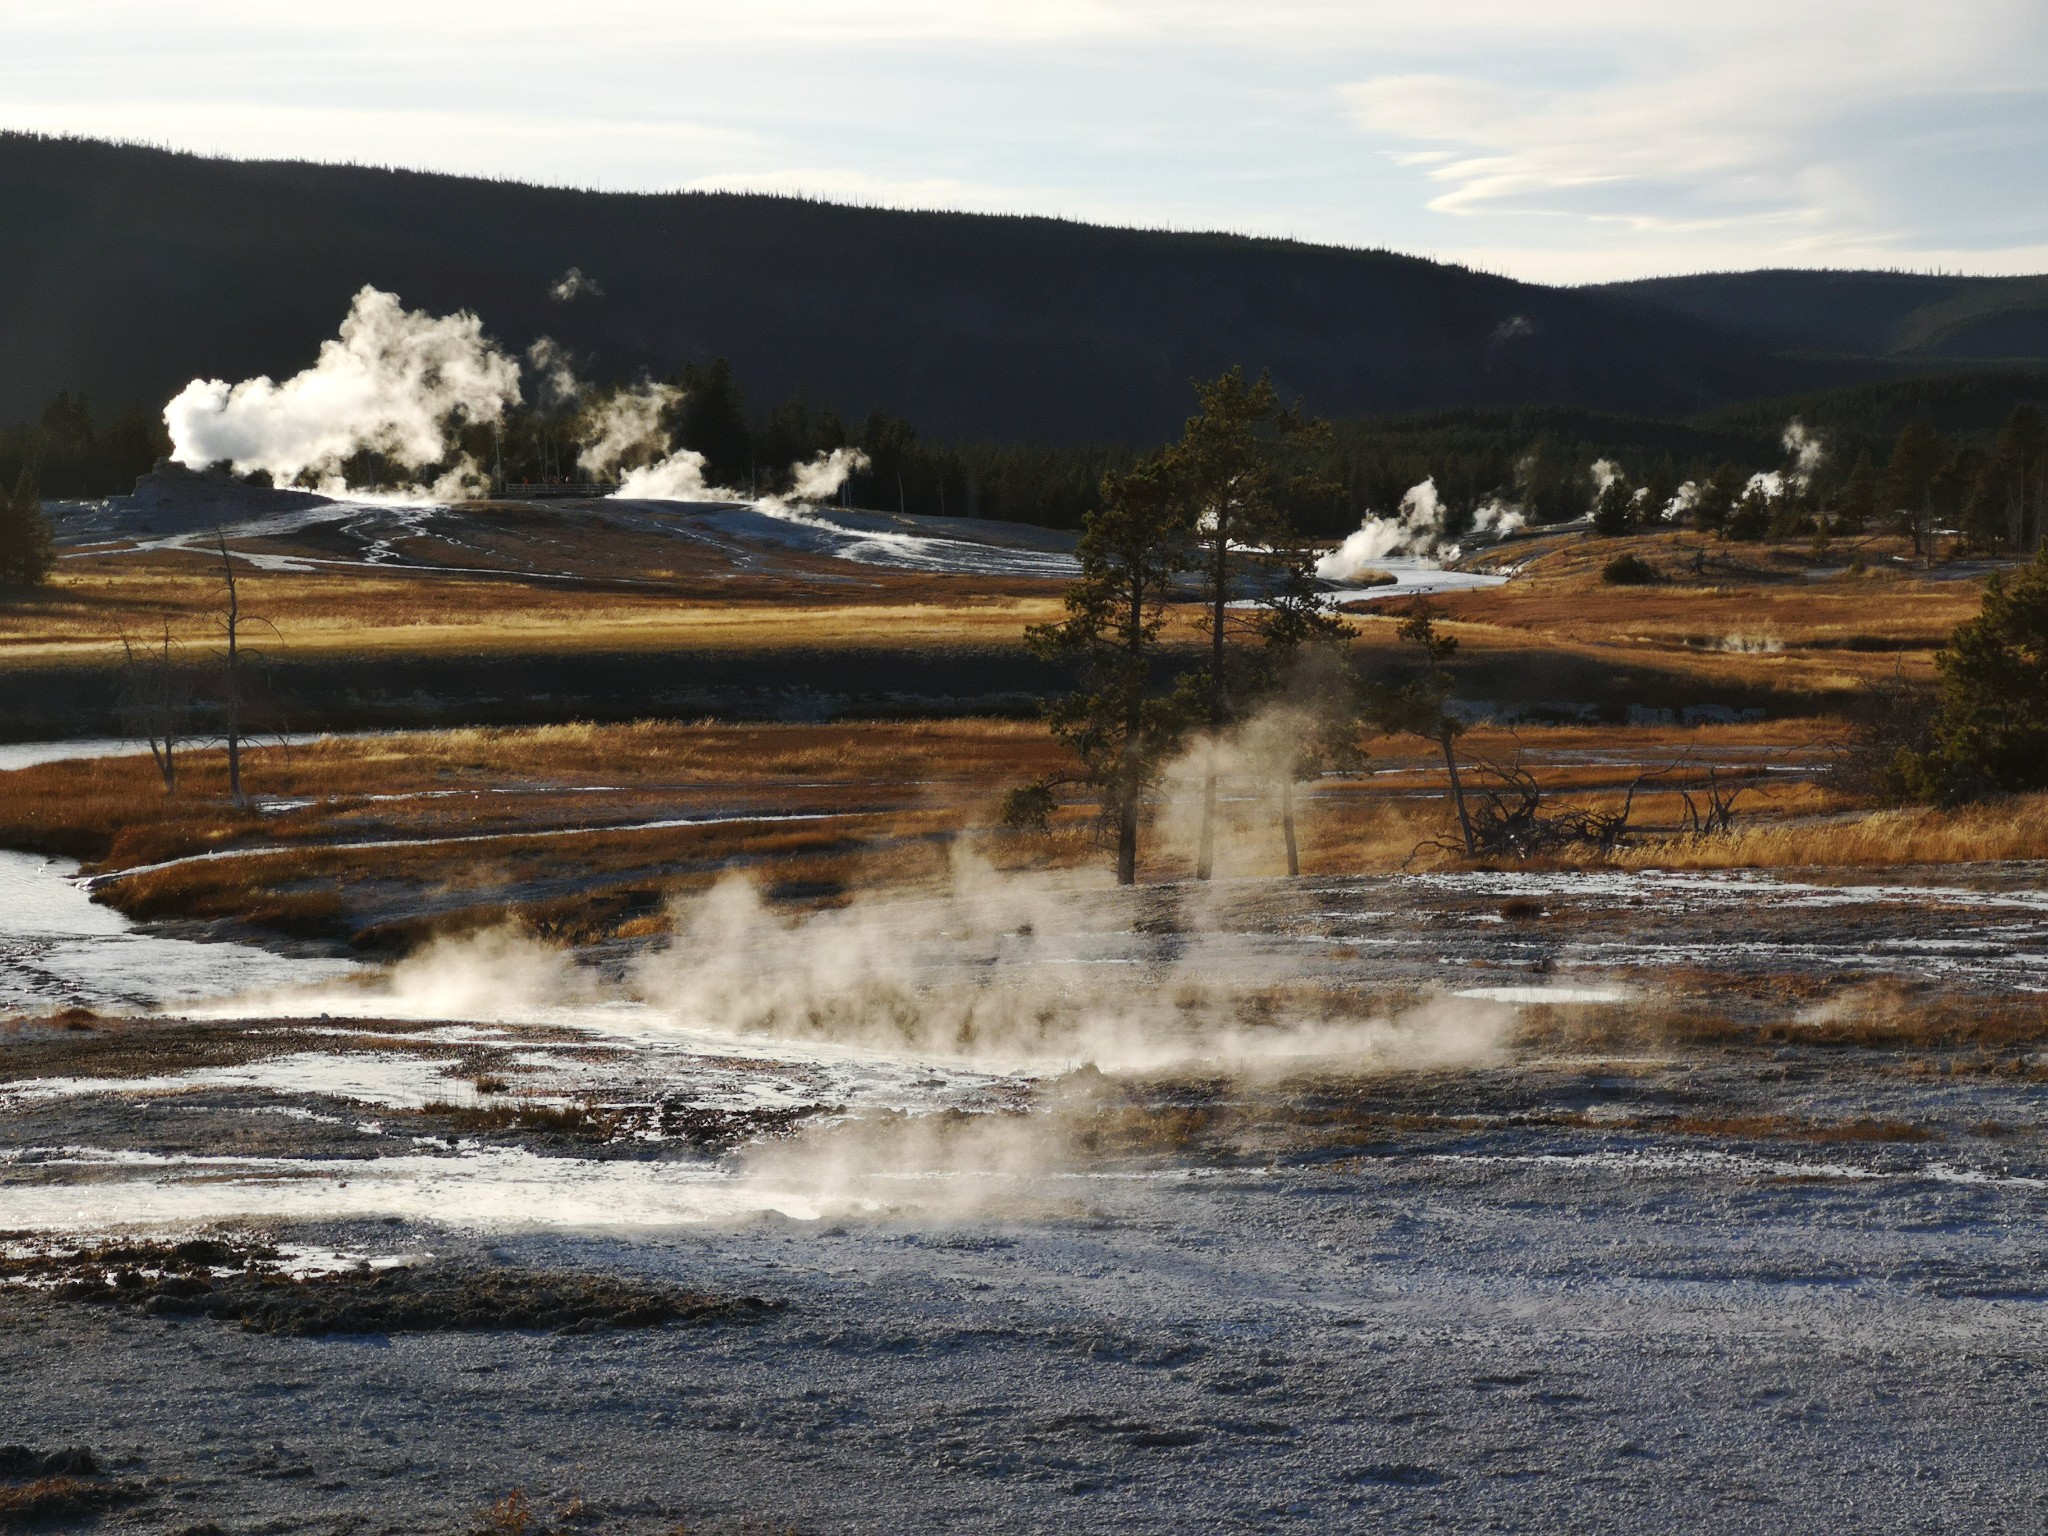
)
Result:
{"points": [[1540, 459], [70, 456]]}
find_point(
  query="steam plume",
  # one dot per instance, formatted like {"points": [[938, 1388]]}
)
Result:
{"points": [[572, 285], [677, 477], [1804, 452], [1016, 972], [821, 479], [626, 430], [1417, 529], [1806, 449], [394, 382], [554, 374], [1253, 757]]}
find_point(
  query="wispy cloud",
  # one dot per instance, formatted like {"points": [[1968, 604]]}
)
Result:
{"points": [[1570, 138], [1779, 132]]}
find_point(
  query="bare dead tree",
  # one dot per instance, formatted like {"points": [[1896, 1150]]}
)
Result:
{"points": [[1508, 819], [1422, 708], [1717, 816], [231, 621], [1890, 721], [156, 701], [231, 627]]}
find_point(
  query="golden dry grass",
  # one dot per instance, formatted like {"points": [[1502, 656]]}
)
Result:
{"points": [[546, 823], [82, 615], [491, 820], [2015, 828], [1820, 1012], [1752, 622], [1752, 619]]}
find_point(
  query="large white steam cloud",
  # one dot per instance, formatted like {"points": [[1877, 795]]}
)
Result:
{"points": [[1416, 530], [627, 429], [679, 476], [394, 381], [821, 479]]}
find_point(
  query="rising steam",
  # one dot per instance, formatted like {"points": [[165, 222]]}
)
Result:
{"points": [[555, 381], [1416, 530], [1804, 453], [999, 972], [1015, 972], [626, 431], [821, 479], [679, 476], [1254, 757], [395, 382], [1805, 448], [574, 284]]}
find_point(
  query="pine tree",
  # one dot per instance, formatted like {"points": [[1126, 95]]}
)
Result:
{"points": [[1717, 497], [1300, 660], [1751, 519], [1422, 707], [888, 441], [712, 419], [1228, 471], [2021, 457], [1614, 514], [1857, 502], [27, 552], [1991, 735], [1918, 457], [1131, 550]]}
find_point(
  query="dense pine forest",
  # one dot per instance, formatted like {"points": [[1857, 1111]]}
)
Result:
{"points": [[134, 270]]}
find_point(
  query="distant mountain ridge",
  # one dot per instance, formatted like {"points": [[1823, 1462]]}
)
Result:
{"points": [[132, 270], [1902, 315]]}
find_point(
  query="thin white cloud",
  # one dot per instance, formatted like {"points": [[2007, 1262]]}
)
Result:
{"points": [[1571, 137], [1743, 124]]}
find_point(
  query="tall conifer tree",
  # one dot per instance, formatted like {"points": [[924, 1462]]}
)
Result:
{"points": [[27, 552]]}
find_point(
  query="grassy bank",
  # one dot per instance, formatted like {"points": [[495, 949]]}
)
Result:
{"points": [[587, 831]]}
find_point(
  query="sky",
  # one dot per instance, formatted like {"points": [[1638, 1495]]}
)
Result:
{"points": [[1553, 140]]}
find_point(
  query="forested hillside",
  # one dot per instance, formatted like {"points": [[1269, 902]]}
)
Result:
{"points": [[129, 271], [1878, 314]]}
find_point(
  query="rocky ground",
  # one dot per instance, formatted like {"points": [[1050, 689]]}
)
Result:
{"points": [[1725, 1218], [1508, 1334]]}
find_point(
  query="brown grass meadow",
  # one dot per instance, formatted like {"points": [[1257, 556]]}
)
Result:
{"points": [[550, 823], [1753, 620], [586, 831]]}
